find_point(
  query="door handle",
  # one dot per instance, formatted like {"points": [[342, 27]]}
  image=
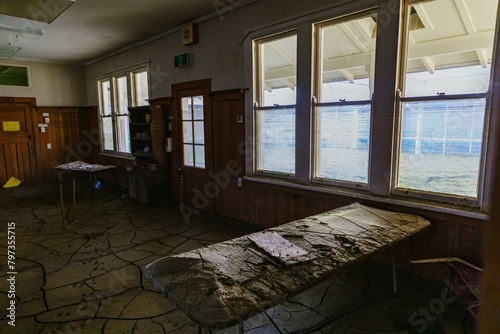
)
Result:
{"points": [[29, 137], [181, 175]]}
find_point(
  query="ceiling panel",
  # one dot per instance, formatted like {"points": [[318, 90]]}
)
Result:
{"points": [[90, 29]]}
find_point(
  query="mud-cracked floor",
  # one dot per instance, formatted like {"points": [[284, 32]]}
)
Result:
{"points": [[88, 277]]}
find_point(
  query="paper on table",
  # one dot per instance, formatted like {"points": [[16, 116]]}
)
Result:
{"points": [[278, 247]]}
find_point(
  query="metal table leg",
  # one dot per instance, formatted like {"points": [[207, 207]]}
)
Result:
{"points": [[394, 275], [74, 199], [62, 203]]}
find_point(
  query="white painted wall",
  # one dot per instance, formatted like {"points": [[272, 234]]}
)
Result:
{"points": [[50, 84], [219, 55]]}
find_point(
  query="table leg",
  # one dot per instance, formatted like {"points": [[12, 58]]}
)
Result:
{"points": [[394, 275], [62, 203], [74, 199], [91, 175]]}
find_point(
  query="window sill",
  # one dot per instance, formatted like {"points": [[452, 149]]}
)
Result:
{"points": [[364, 195]]}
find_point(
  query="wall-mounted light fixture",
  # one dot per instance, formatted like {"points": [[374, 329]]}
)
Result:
{"points": [[21, 30]]}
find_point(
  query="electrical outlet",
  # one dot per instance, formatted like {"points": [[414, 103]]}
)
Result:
{"points": [[240, 182], [49, 146]]}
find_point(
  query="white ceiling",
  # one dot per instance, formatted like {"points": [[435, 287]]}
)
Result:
{"points": [[90, 29]]}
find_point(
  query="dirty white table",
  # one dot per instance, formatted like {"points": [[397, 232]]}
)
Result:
{"points": [[222, 285]]}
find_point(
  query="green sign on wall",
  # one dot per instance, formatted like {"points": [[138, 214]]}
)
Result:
{"points": [[183, 60]]}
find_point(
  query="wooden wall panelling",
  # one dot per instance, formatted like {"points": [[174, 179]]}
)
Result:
{"points": [[68, 134], [89, 134], [228, 140], [449, 235]]}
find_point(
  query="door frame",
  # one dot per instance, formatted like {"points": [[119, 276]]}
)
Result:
{"points": [[192, 88]]}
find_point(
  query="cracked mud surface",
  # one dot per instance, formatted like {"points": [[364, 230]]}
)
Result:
{"points": [[88, 278]]}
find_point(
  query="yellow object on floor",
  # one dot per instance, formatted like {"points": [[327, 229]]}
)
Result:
{"points": [[12, 183]]}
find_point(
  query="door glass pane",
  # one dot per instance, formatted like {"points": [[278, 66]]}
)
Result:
{"points": [[193, 131], [198, 107], [107, 133], [199, 133], [343, 142], [199, 156], [188, 156], [276, 144], [187, 132], [123, 134], [186, 108]]}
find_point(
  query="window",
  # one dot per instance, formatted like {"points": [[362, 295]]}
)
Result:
{"points": [[193, 133], [11, 75], [276, 71], [116, 94], [360, 113], [444, 97], [346, 52]]}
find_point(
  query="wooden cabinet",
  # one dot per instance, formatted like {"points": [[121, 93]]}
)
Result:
{"points": [[140, 132], [148, 181]]}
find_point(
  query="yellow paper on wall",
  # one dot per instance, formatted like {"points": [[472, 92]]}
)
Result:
{"points": [[11, 126], [12, 183]]}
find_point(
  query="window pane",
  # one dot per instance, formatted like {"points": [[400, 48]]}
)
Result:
{"points": [[11, 75], [187, 132], [121, 95], [123, 134], [105, 91], [441, 146], [441, 140], [199, 156], [276, 140], [277, 70], [188, 155], [347, 52], [343, 143], [446, 56], [107, 133], [141, 88]]}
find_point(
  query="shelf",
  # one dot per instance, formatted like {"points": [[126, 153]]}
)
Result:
{"points": [[143, 154], [141, 124]]}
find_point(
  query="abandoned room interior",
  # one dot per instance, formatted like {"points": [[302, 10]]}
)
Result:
{"points": [[252, 166]]}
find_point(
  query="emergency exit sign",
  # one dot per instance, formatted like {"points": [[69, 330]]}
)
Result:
{"points": [[183, 60]]}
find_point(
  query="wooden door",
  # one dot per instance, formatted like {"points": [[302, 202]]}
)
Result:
{"points": [[17, 154], [193, 144]]}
